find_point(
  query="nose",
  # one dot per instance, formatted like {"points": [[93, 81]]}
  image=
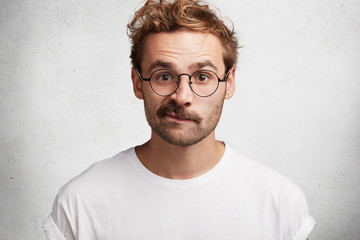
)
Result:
{"points": [[183, 95]]}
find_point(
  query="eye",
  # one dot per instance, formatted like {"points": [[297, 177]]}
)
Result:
{"points": [[202, 77], [163, 76]]}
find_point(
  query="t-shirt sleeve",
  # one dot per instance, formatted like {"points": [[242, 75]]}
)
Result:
{"points": [[57, 226], [305, 228], [299, 223], [52, 231]]}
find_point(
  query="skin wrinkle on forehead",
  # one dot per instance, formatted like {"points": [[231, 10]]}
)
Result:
{"points": [[172, 52]]}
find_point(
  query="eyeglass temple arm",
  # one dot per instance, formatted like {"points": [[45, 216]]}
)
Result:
{"points": [[226, 76], [140, 76]]}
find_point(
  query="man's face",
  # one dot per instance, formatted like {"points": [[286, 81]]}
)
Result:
{"points": [[183, 118]]}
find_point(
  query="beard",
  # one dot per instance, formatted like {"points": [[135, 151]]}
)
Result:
{"points": [[173, 132]]}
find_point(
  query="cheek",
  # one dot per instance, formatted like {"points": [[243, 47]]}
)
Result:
{"points": [[146, 90], [152, 103], [217, 98], [214, 106], [209, 109]]}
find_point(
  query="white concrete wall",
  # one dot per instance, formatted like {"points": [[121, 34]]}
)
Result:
{"points": [[66, 101]]}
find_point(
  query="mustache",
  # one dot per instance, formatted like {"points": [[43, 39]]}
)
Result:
{"points": [[178, 110]]}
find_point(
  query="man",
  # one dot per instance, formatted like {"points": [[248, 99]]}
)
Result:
{"points": [[182, 183]]}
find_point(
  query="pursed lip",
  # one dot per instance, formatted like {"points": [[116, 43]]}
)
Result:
{"points": [[174, 117]]}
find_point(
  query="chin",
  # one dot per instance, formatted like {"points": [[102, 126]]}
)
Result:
{"points": [[182, 139]]}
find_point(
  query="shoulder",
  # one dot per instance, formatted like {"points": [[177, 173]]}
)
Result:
{"points": [[81, 196], [262, 178], [97, 177], [281, 197]]}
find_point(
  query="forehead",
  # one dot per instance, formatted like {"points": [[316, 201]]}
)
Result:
{"points": [[183, 50]]}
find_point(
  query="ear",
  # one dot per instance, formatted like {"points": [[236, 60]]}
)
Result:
{"points": [[137, 84], [230, 83]]}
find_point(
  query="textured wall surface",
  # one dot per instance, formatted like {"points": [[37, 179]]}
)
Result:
{"points": [[66, 101]]}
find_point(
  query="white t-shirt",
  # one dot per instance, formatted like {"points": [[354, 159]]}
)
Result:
{"points": [[119, 198]]}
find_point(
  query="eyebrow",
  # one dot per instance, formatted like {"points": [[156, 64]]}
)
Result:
{"points": [[169, 65], [201, 65], [161, 64]]}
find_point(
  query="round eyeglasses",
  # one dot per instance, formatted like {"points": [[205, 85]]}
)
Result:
{"points": [[165, 82]]}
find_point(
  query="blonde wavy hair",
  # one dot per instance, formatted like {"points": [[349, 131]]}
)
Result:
{"points": [[167, 16]]}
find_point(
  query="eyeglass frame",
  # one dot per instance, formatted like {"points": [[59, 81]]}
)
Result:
{"points": [[178, 82]]}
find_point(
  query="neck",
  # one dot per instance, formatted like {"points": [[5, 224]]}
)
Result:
{"points": [[180, 162]]}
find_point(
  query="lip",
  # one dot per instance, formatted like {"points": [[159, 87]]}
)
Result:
{"points": [[175, 118]]}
